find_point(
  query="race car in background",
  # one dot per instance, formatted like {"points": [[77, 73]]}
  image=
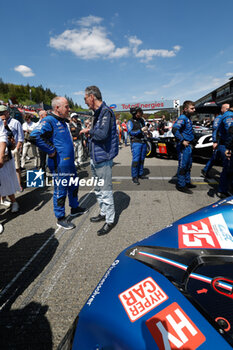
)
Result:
{"points": [[165, 145], [172, 290]]}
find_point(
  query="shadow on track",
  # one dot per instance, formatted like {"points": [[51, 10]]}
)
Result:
{"points": [[21, 263], [26, 329]]}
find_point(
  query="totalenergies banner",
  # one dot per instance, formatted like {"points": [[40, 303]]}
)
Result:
{"points": [[153, 105]]}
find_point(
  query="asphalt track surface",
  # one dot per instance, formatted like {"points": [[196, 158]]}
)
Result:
{"points": [[47, 274]]}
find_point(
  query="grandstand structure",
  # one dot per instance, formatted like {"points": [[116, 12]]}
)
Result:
{"points": [[211, 103]]}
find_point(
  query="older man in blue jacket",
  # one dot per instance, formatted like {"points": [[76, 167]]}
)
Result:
{"points": [[183, 132], [103, 148], [53, 137]]}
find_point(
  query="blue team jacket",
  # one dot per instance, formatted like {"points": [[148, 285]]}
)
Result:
{"points": [[104, 141], [52, 135], [225, 123], [183, 129]]}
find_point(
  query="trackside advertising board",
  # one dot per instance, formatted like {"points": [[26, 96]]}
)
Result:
{"points": [[152, 105]]}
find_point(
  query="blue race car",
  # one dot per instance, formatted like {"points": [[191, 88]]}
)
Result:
{"points": [[173, 290]]}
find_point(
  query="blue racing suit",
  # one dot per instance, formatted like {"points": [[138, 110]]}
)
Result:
{"points": [[224, 130], [54, 135], [183, 130], [138, 145]]}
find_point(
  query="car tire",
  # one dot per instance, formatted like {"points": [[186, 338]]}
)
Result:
{"points": [[148, 149]]}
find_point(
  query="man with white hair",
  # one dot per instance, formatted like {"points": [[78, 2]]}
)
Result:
{"points": [[55, 139]]}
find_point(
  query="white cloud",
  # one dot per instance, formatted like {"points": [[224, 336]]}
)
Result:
{"points": [[24, 70], [79, 93], [229, 74], [124, 51], [87, 43], [134, 42], [148, 55], [89, 21], [91, 40], [177, 48], [152, 92]]}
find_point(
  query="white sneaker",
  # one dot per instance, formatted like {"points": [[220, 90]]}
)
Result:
{"points": [[5, 202], [28, 158], [15, 207], [1, 228]]}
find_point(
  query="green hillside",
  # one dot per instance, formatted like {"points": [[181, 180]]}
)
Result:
{"points": [[28, 95]]}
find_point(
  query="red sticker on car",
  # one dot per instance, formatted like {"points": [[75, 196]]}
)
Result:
{"points": [[210, 232], [142, 298], [173, 329]]}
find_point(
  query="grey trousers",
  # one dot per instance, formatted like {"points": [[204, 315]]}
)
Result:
{"points": [[104, 194]]}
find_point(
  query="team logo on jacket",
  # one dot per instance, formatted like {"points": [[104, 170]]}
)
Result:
{"points": [[141, 298], [172, 329], [210, 232], [35, 178]]}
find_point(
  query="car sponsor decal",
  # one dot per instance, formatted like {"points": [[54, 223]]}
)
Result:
{"points": [[204, 141], [162, 148], [113, 106], [142, 298], [210, 232], [172, 329], [101, 283]]}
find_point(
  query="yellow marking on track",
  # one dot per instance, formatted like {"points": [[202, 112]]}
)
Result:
{"points": [[204, 183]]}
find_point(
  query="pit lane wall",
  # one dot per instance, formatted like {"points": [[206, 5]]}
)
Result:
{"points": [[151, 105]]}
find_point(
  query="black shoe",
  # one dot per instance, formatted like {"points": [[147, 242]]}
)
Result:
{"points": [[135, 181], [65, 224], [205, 174], [184, 189], [105, 229], [222, 195], [190, 185], [78, 211], [143, 177], [97, 218]]}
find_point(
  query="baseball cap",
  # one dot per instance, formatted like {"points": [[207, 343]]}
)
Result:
{"points": [[3, 108], [73, 115]]}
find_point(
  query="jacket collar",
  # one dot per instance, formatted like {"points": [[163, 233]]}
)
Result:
{"points": [[62, 120]]}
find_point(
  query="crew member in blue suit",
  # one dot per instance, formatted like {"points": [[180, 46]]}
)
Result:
{"points": [[217, 149], [54, 138], [225, 131], [183, 132], [136, 127]]}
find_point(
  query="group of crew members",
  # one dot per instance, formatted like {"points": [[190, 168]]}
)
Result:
{"points": [[222, 149], [182, 130], [137, 131]]}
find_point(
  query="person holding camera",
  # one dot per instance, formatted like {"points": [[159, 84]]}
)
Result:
{"points": [[136, 128]]}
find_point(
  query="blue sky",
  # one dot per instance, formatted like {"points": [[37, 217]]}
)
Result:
{"points": [[134, 51]]}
